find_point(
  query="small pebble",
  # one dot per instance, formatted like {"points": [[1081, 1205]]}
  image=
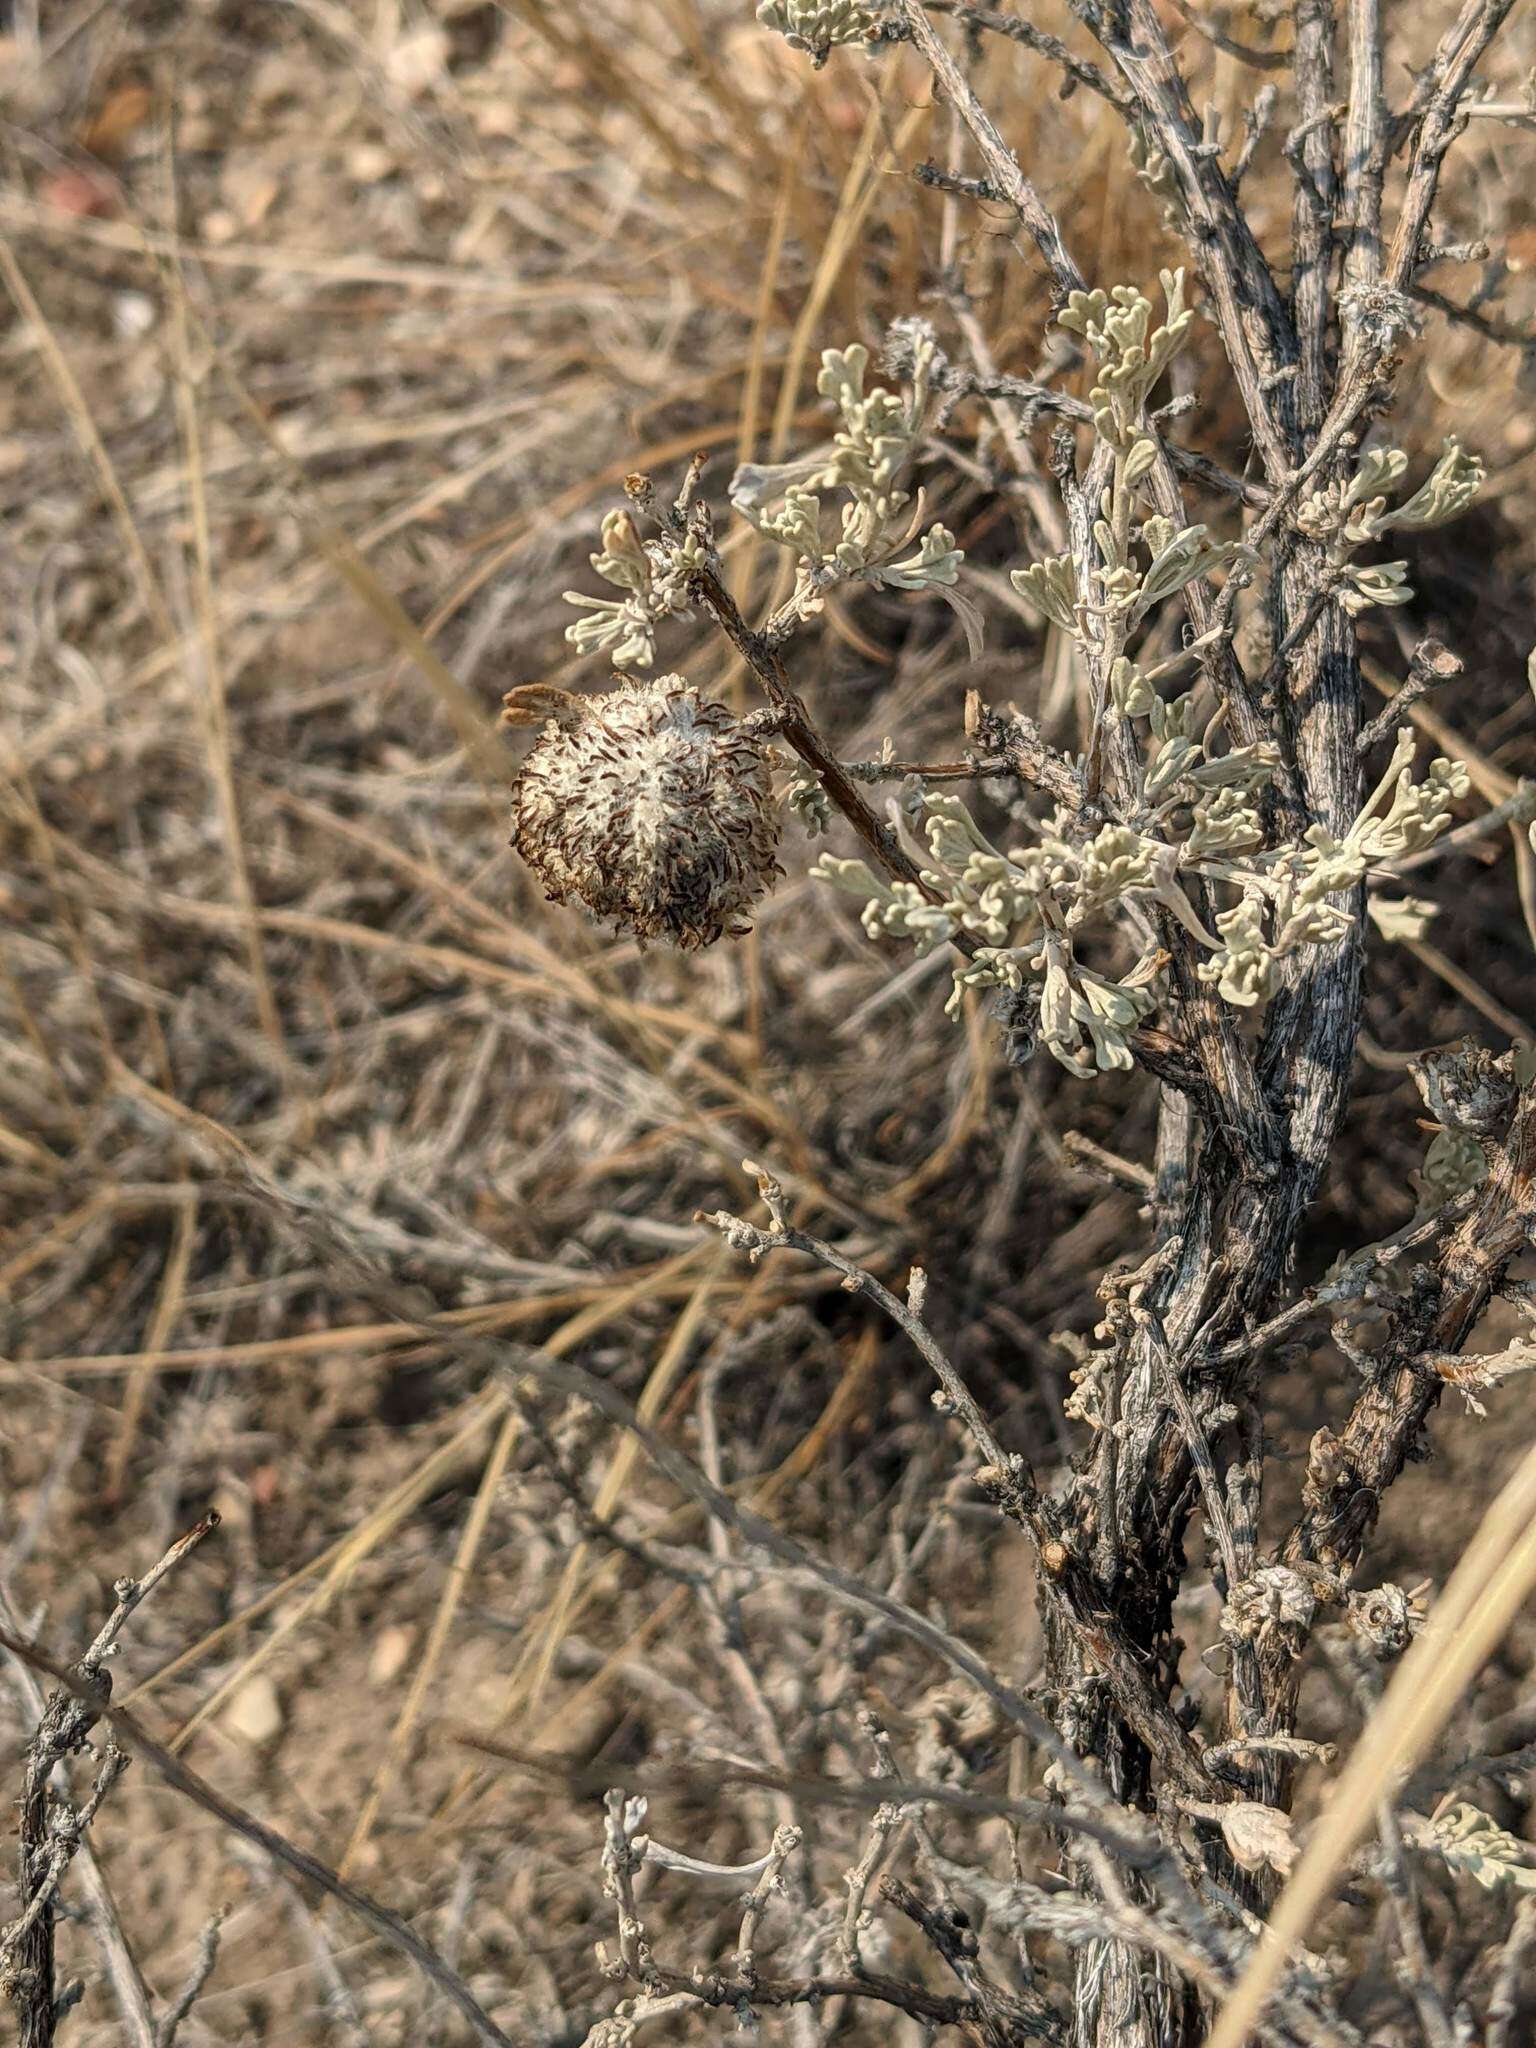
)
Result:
{"points": [[390, 1652], [255, 1714]]}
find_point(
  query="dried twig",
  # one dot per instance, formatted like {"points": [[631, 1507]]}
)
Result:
{"points": [[51, 1830], [82, 1697]]}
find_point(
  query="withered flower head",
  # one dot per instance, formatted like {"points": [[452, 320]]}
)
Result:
{"points": [[652, 807]]}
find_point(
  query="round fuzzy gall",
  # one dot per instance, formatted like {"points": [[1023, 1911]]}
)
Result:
{"points": [[652, 807]]}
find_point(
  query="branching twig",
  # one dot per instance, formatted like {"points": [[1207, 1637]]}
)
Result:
{"points": [[51, 1833], [1005, 1476], [85, 1698], [201, 1970]]}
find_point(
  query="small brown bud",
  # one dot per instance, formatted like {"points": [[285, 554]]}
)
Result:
{"points": [[654, 808], [537, 703]]}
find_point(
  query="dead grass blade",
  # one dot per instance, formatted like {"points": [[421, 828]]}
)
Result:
{"points": [[167, 1309], [459, 1571], [78, 410], [212, 693]]}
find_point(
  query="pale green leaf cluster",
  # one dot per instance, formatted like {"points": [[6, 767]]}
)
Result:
{"points": [[1182, 771], [1136, 565], [1287, 901], [818, 26], [872, 446], [1024, 905], [1226, 822], [1132, 353], [1446, 493], [1399, 818], [1347, 515], [809, 802], [1195, 816], [1472, 1841], [1028, 904], [1155, 171], [1356, 507], [654, 578], [1051, 587], [1243, 965], [876, 434], [1416, 814], [1376, 585], [1122, 587], [1454, 1164], [1400, 918], [936, 565], [1179, 555], [795, 523], [1086, 1019], [899, 909]]}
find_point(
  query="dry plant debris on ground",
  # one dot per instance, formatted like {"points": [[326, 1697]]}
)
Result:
{"points": [[332, 332]]}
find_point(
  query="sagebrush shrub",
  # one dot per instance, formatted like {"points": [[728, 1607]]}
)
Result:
{"points": [[1189, 891]]}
